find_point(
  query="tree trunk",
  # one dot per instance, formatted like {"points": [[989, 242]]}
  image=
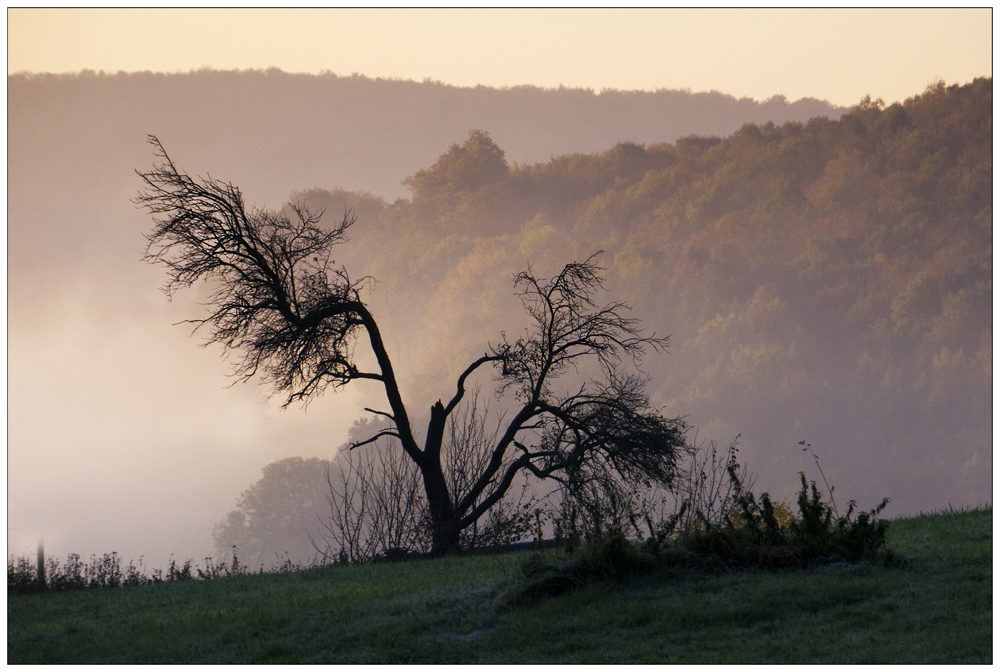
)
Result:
{"points": [[445, 538], [444, 521]]}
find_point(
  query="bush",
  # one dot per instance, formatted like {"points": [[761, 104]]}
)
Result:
{"points": [[738, 531], [816, 536]]}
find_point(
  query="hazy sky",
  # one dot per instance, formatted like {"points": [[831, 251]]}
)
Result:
{"points": [[837, 55]]}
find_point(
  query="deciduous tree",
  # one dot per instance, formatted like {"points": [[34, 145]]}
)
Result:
{"points": [[284, 312], [277, 515]]}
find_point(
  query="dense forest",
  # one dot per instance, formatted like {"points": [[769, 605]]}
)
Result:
{"points": [[828, 281]]}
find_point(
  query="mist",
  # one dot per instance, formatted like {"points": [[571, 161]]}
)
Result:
{"points": [[124, 435]]}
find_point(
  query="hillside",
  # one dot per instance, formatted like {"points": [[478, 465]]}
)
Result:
{"points": [[351, 131], [935, 610], [828, 281]]}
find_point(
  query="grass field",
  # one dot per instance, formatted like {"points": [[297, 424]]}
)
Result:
{"points": [[935, 609]]}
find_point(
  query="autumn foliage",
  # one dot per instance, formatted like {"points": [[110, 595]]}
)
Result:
{"points": [[829, 279]]}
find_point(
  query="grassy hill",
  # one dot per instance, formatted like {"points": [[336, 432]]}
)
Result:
{"points": [[935, 609]]}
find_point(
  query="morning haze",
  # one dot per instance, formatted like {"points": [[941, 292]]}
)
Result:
{"points": [[123, 435]]}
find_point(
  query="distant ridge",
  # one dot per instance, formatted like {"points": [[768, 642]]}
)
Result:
{"points": [[353, 131]]}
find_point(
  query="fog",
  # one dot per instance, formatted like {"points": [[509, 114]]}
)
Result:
{"points": [[123, 434]]}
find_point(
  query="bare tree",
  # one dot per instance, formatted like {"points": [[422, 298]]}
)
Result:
{"points": [[378, 509], [283, 311], [467, 452]]}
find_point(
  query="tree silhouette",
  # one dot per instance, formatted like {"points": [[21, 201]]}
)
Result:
{"points": [[284, 312], [277, 515]]}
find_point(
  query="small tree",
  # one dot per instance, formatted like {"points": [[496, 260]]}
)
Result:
{"points": [[284, 312], [374, 504]]}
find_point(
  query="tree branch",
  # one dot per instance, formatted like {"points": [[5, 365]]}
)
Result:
{"points": [[384, 432]]}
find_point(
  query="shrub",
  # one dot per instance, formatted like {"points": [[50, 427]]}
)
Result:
{"points": [[707, 531], [816, 536]]}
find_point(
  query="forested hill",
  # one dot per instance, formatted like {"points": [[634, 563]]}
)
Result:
{"points": [[828, 281]]}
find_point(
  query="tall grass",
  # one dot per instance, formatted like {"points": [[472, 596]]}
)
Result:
{"points": [[109, 571]]}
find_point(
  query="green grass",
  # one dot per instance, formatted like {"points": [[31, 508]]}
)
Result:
{"points": [[935, 609]]}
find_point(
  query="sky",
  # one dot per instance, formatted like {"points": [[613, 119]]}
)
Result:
{"points": [[838, 55], [77, 422]]}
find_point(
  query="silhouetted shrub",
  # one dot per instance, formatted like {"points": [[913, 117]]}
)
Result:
{"points": [[745, 532]]}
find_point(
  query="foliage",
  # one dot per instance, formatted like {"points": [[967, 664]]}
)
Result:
{"points": [[468, 167], [707, 492], [105, 571], [816, 536], [701, 493], [752, 531], [715, 527], [808, 271]]}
